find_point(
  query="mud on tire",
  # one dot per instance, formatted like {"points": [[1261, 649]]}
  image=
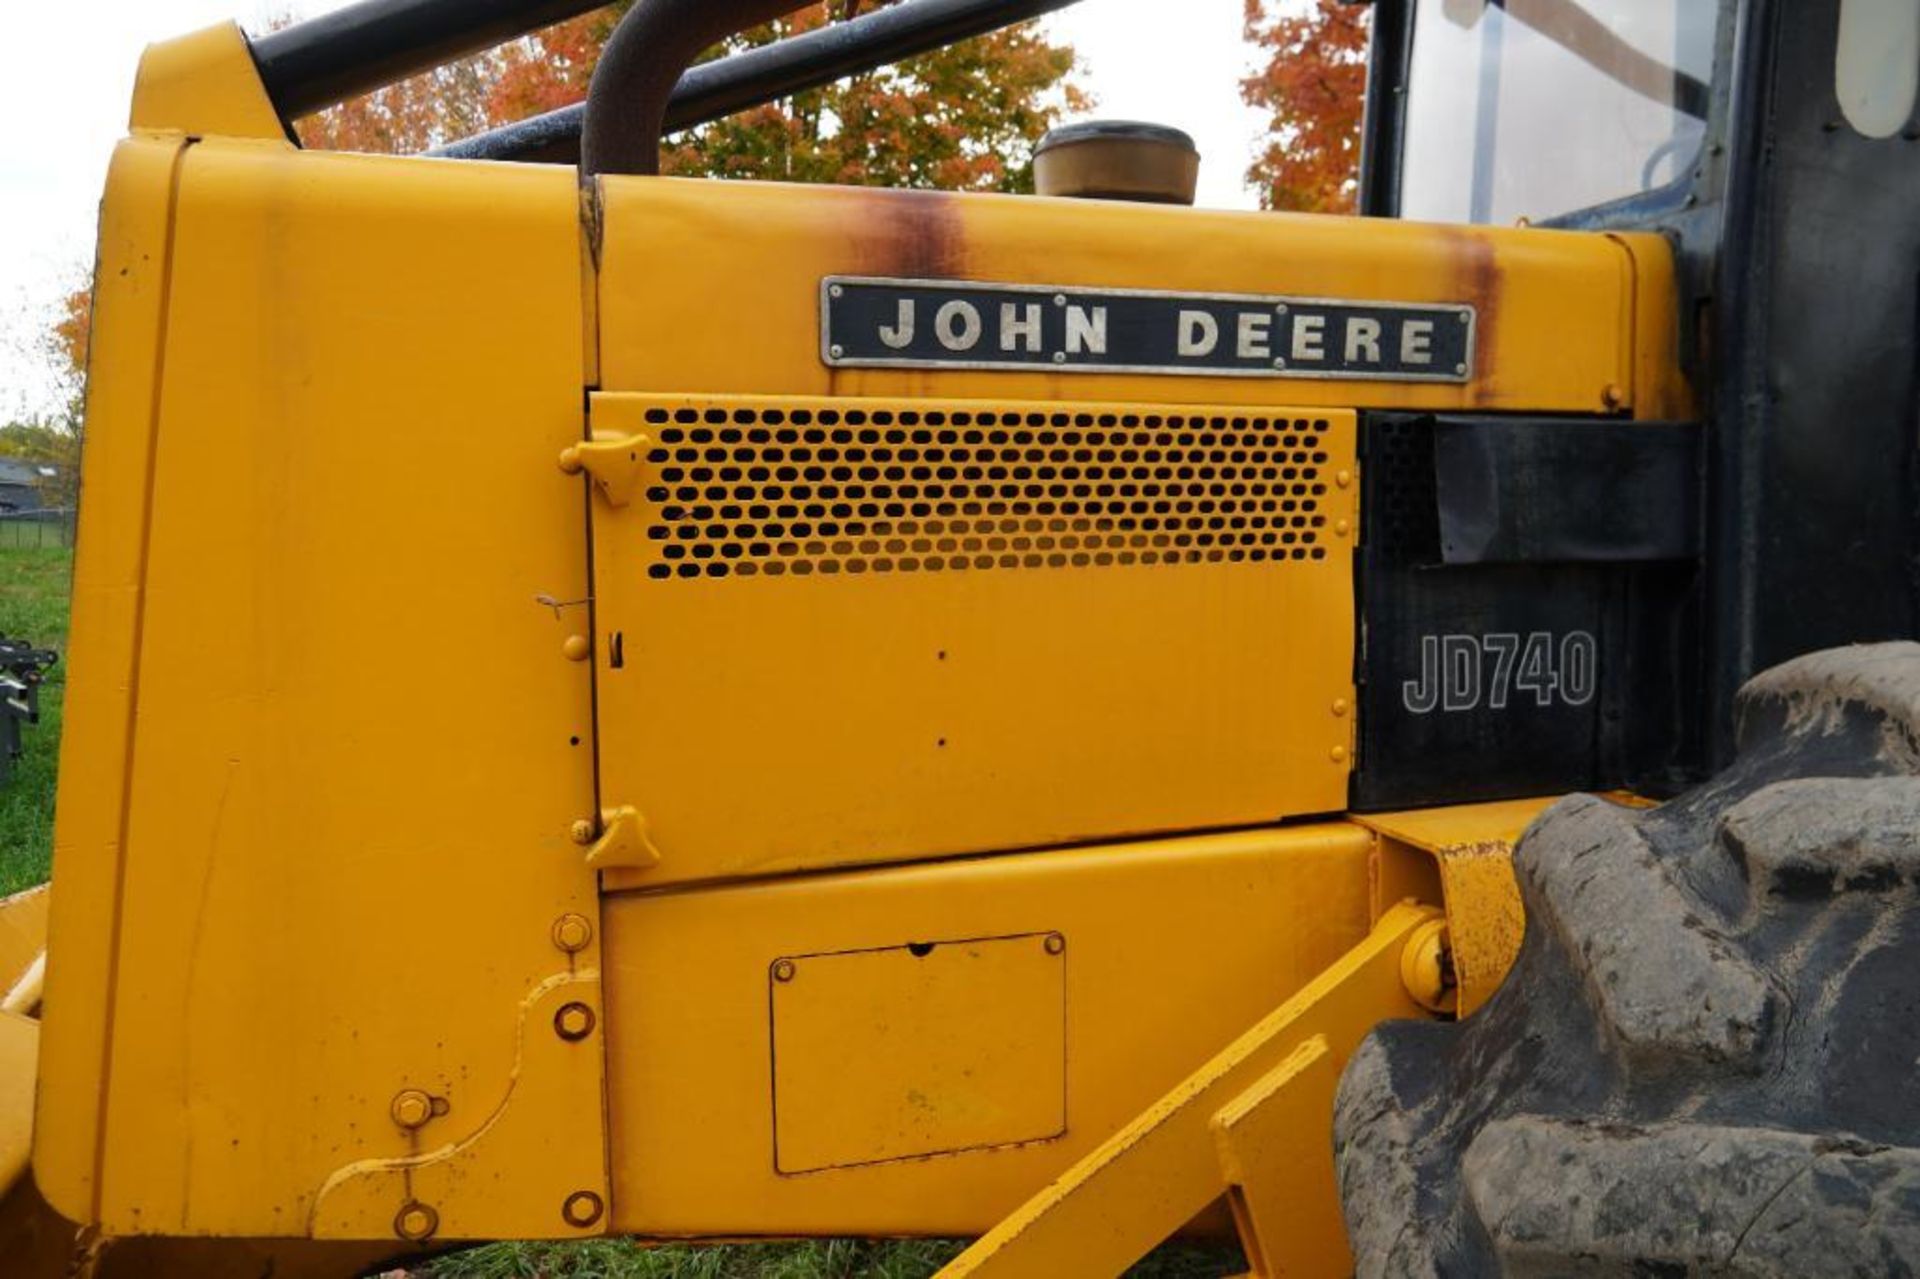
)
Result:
{"points": [[1707, 1058]]}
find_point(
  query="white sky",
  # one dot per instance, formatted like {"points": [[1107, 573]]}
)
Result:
{"points": [[66, 75]]}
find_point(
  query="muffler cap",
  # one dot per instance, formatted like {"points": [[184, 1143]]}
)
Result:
{"points": [[1117, 160]]}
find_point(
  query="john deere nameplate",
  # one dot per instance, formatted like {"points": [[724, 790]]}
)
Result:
{"points": [[930, 324]]}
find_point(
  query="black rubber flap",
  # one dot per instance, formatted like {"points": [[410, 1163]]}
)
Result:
{"points": [[1537, 491]]}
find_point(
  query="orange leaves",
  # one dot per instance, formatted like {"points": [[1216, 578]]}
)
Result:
{"points": [[961, 118], [525, 77], [550, 69], [409, 116], [73, 331], [1314, 89]]}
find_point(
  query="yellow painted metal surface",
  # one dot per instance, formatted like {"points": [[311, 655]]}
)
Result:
{"points": [[1172, 948], [40, 1244], [963, 1045], [540, 1127], [23, 933], [714, 288], [1153, 1175], [1660, 391], [19, 1050], [1457, 825], [1277, 1162], [204, 84], [1472, 846], [323, 747], [907, 628], [129, 307]]}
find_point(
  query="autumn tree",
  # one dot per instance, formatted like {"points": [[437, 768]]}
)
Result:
{"points": [[417, 113], [1313, 89], [53, 439], [72, 337], [962, 118], [550, 69]]}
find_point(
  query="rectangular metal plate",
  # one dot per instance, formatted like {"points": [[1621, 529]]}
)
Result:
{"points": [[888, 323], [958, 1045]]}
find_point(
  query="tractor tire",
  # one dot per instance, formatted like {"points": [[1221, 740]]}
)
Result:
{"points": [[1706, 1059]]}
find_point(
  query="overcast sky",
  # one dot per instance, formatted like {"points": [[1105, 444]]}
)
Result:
{"points": [[66, 73]]}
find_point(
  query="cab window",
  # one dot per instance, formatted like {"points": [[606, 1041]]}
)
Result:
{"points": [[1522, 110]]}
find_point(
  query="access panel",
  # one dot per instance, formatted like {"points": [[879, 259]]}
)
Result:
{"points": [[833, 631], [960, 1045]]}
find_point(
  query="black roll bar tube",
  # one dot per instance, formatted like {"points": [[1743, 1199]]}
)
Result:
{"points": [[640, 67], [363, 47], [806, 61]]}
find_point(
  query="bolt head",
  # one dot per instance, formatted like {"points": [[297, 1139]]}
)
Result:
{"points": [[1338, 754], [1279, 308], [1340, 706], [1279, 364], [1059, 357], [576, 648], [835, 290], [416, 1221], [1055, 944], [1343, 479], [783, 970], [573, 1022], [582, 1209], [411, 1108], [570, 462], [1341, 528], [581, 831], [836, 350], [572, 932]]}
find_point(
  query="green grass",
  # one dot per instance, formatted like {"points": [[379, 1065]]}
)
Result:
{"points": [[22, 533], [34, 583], [34, 586], [814, 1259]]}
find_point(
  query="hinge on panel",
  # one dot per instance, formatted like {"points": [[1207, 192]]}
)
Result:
{"points": [[613, 461]]}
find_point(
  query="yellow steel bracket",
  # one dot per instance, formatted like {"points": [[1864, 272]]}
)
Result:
{"points": [[1253, 1124], [1276, 1155], [1471, 846], [19, 1046], [614, 462], [23, 956], [23, 948], [623, 841], [204, 84]]}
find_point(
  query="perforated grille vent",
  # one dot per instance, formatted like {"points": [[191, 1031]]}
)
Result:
{"points": [[1402, 503], [770, 491]]}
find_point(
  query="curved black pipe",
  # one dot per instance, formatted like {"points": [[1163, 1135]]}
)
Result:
{"points": [[640, 67], [362, 47], [805, 61]]}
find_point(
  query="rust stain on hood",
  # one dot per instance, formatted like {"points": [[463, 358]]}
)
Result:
{"points": [[1477, 281], [910, 235]]}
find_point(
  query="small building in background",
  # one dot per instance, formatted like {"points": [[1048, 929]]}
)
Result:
{"points": [[25, 486]]}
